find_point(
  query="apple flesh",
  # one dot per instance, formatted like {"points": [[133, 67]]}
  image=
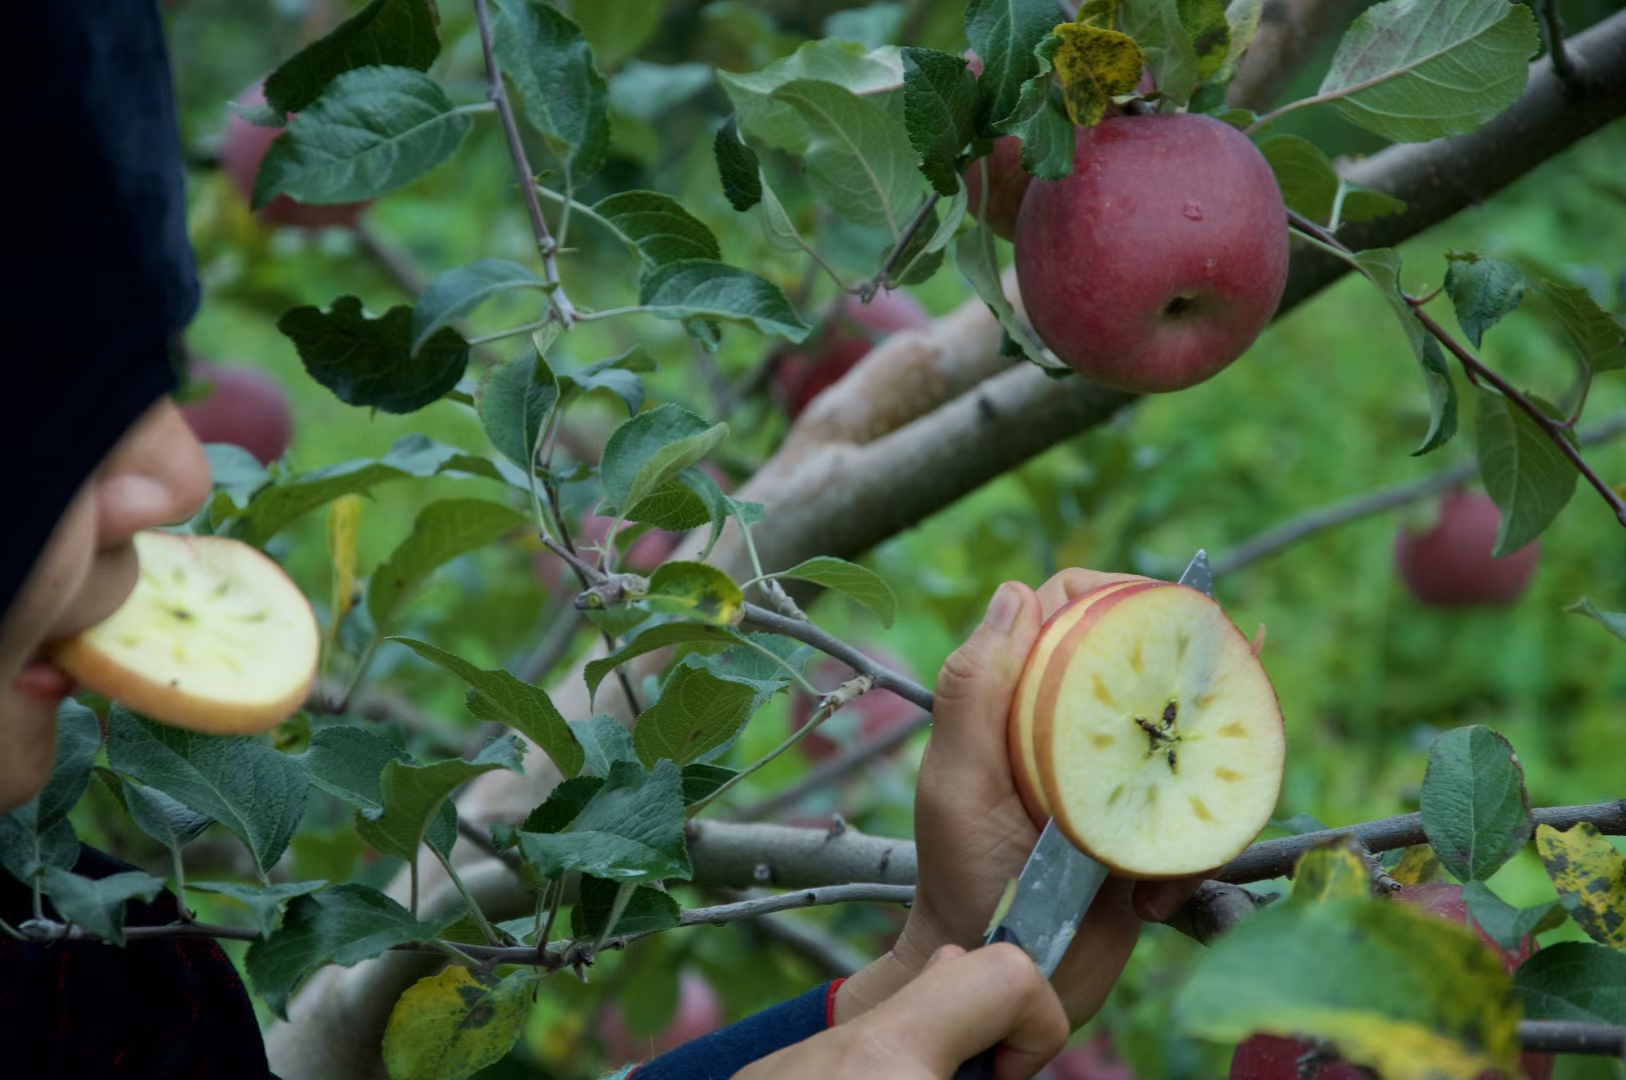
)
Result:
{"points": [[877, 712], [699, 1012], [1147, 728], [215, 638], [242, 406], [243, 146], [846, 339], [1160, 258], [1450, 565]]}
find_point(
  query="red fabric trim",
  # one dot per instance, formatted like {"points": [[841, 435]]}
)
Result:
{"points": [[830, 1003]]}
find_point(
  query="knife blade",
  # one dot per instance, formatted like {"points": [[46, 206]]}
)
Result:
{"points": [[1058, 883]]}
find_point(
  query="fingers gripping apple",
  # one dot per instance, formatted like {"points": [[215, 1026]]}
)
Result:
{"points": [[1146, 726], [215, 638]]}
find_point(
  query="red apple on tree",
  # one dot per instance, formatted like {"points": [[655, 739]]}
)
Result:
{"points": [[1159, 259], [240, 405], [843, 341], [1093, 1059], [878, 712], [243, 145], [699, 1012], [1007, 180], [1450, 564]]}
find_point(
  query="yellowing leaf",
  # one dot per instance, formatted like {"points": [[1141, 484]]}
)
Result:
{"points": [[1336, 871], [1209, 32], [343, 522], [1418, 865], [1094, 65], [1102, 13], [1590, 876], [453, 1024]]}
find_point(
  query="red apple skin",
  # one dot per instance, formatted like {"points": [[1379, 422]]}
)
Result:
{"points": [[1007, 184], [846, 339], [879, 711], [243, 145], [1160, 258], [243, 406], [699, 1012], [1095, 1059], [1451, 565]]}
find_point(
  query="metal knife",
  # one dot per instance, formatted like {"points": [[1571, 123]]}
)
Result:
{"points": [[1057, 884]]}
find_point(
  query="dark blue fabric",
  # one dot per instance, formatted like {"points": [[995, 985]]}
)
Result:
{"points": [[721, 1054]]}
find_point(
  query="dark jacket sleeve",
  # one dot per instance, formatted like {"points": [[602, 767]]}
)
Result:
{"points": [[723, 1053]]}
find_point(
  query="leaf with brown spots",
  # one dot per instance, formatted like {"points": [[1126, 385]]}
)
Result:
{"points": [[1590, 876], [1333, 871], [455, 1023], [1094, 65]]}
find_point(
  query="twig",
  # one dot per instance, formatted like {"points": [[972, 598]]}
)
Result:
{"points": [[1373, 502], [498, 96], [1568, 1037], [1555, 42], [866, 292], [833, 769]]}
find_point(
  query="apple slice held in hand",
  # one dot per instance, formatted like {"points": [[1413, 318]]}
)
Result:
{"points": [[215, 638], [1146, 726]]}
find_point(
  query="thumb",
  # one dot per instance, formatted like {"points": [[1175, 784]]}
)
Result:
{"points": [[978, 680]]}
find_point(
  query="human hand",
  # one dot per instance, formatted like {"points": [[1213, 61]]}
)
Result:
{"points": [[972, 833], [961, 1004]]}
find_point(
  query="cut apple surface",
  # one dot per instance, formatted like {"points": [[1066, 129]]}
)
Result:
{"points": [[1146, 726], [215, 638]]}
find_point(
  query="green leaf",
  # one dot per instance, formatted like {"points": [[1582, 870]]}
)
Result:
{"points": [[1483, 290], [695, 591], [245, 785], [646, 91], [753, 663], [78, 738], [443, 531], [604, 742], [413, 794], [264, 902], [276, 507], [617, 28], [939, 102], [372, 362], [1574, 980], [702, 779], [348, 763], [706, 637], [974, 255], [659, 227], [675, 506], [630, 830], [1157, 26], [1590, 876], [1413, 70], [858, 157], [1094, 65], [650, 449], [647, 909], [1589, 331], [697, 712], [1308, 181], [1382, 266], [1506, 925], [1526, 474], [1243, 19], [1476, 813], [98, 904], [497, 696], [1395, 989], [343, 925], [846, 65], [1209, 32], [858, 582], [455, 293], [454, 1023], [871, 27], [702, 288], [549, 60], [514, 403], [373, 130], [1364, 204], [1612, 621], [163, 818], [737, 167], [395, 33], [1003, 34], [565, 803]]}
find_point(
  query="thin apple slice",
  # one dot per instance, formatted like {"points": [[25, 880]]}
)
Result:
{"points": [[1157, 734], [1024, 767], [215, 638]]}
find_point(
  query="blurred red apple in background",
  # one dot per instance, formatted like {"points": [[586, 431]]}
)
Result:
{"points": [[699, 1012], [844, 340], [877, 712], [1093, 1059], [1450, 565], [243, 145], [243, 406]]}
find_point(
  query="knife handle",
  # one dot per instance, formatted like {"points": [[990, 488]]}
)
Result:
{"points": [[980, 1067]]}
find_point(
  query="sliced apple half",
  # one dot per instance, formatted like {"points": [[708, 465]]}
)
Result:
{"points": [[215, 637], [1156, 736]]}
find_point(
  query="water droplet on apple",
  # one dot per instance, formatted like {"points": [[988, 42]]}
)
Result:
{"points": [[1209, 265], [1194, 211]]}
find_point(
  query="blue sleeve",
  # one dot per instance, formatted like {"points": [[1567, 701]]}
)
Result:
{"points": [[723, 1053]]}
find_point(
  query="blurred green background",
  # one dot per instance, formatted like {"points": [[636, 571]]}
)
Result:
{"points": [[1326, 405]]}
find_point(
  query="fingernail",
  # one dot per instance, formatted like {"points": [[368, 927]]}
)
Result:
{"points": [[1002, 609]]}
